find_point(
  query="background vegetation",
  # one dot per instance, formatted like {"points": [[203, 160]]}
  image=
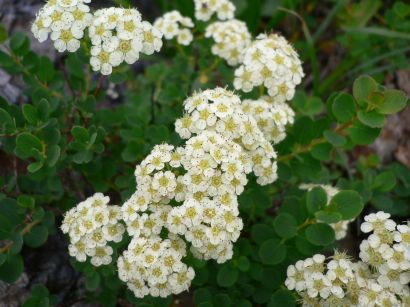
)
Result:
{"points": [[62, 138]]}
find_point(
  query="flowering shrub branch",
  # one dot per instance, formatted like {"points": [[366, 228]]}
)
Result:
{"points": [[239, 179]]}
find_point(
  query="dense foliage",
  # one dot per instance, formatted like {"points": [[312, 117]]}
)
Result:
{"points": [[77, 132]]}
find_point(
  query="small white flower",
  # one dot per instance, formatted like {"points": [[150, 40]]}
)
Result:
{"points": [[318, 285], [204, 9], [173, 24], [271, 62], [378, 222], [296, 277]]}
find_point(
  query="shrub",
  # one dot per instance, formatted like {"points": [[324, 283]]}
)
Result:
{"points": [[219, 193]]}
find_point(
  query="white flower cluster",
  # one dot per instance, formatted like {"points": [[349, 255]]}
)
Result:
{"points": [[272, 62], [205, 9], [272, 117], [90, 226], [119, 35], [153, 266], [215, 175], [381, 278], [340, 227], [220, 111], [65, 22], [231, 38], [173, 24]]}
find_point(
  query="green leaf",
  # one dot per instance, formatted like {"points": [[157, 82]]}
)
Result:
{"points": [[43, 108], [261, 232], [30, 114], [35, 166], [348, 203], [272, 252], [371, 119], [328, 217], [202, 295], [222, 299], [320, 234], [362, 88], [394, 101], [382, 202], [282, 298], [384, 182], [80, 134], [25, 143], [45, 69], [133, 150], [243, 263], [17, 245], [37, 236], [7, 124], [285, 225], [308, 105], [12, 268], [53, 154], [92, 282], [322, 152], [334, 138], [26, 201], [20, 44], [227, 276], [3, 34], [6, 61], [316, 199], [3, 258], [363, 135], [343, 107]]}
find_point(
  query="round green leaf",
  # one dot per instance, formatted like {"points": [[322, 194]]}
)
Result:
{"points": [[53, 154], [243, 303], [3, 258], [320, 234], [222, 299], [80, 134], [227, 276], [394, 101], [30, 114], [92, 282], [362, 88], [34, 167], [3, 34], [316, 199], [20, 44], [12, 268], [17, 245], [37, 236], [243, 263], [384, 182], [283, 298], [7, 124], [348, 203], [202, 295], [322, 152], [363, 135], [334, 138], [272, 252], [371, 119], [344, 107], [25, 143], [261, 232], [285, 225], [26, 201], [328, 217]]}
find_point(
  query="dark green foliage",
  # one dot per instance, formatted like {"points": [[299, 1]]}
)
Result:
{"points": [[69, 141]]}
